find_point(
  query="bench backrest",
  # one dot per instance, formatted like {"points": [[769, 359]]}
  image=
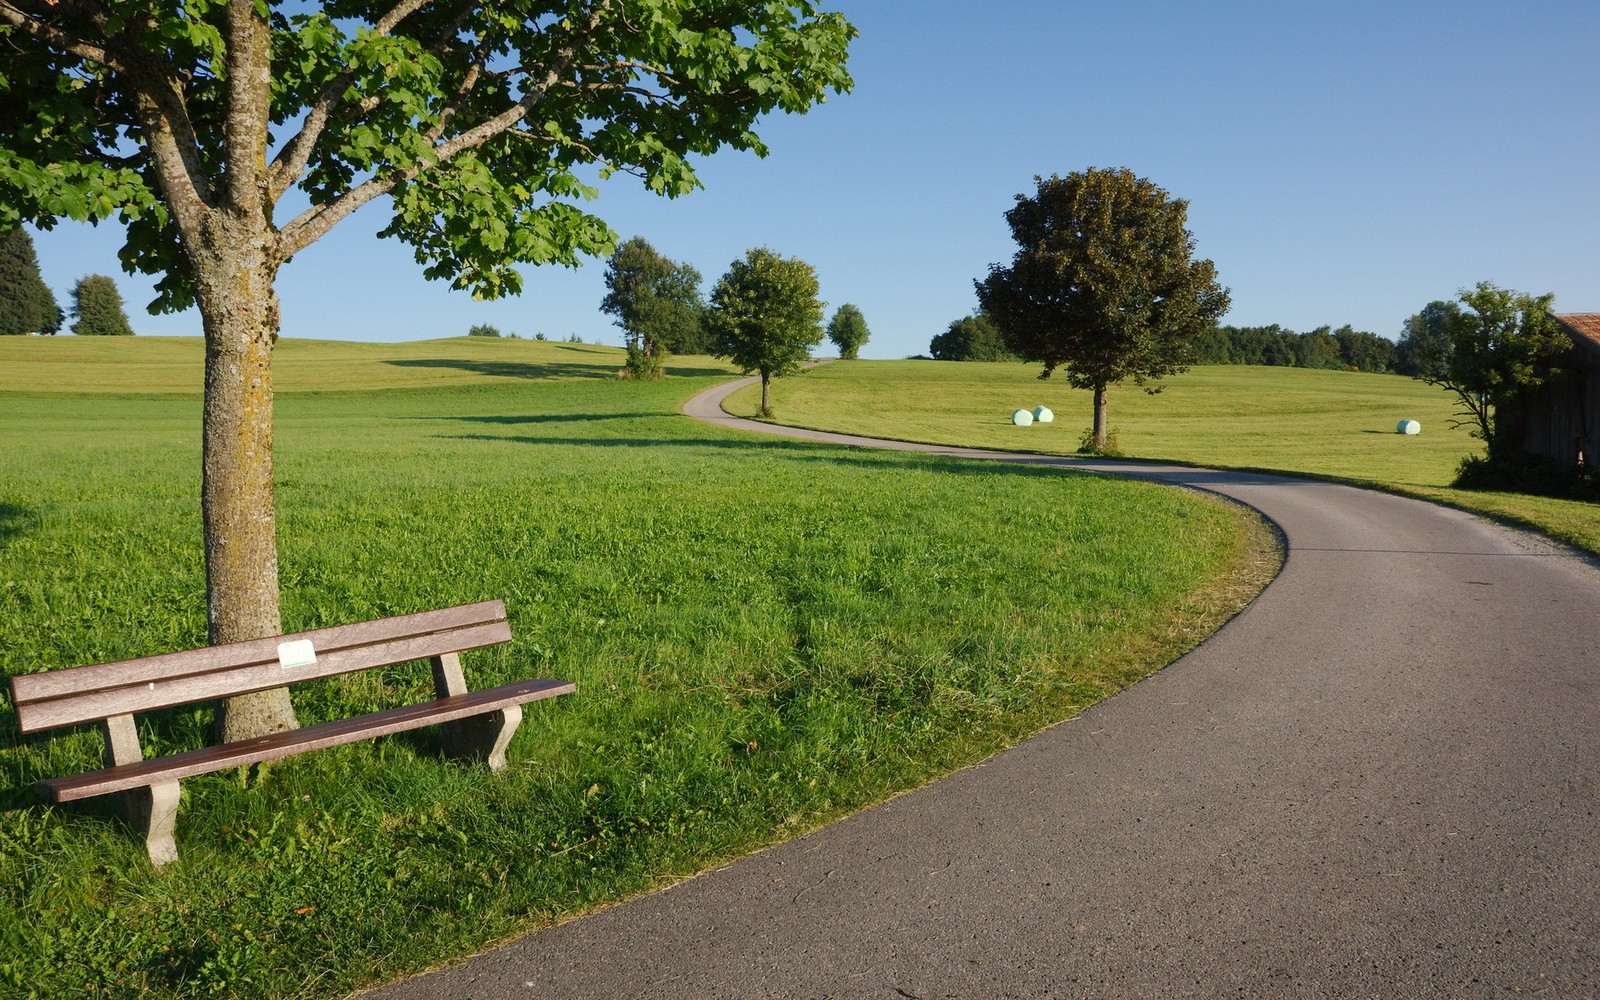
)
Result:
{"points": [[88, 694]]}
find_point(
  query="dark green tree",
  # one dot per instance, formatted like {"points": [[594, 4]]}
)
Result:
{"points": [[1213, 347], [1103, 283], [231, 135], [1424, 348], [657, 301], [766, 317], [1365, 352], [848, 331], [1501, 345], [1317, 349], [97, 308], [971, 338], [26, 303]]}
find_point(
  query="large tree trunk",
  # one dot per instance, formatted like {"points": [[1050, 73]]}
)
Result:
{"points": [[239, 308], [766, 395], [1098, 434]]}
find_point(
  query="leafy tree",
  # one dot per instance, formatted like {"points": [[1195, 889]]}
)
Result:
{"points": [[97, 308], [656, 300], [26, 303], [483, 330], [1365, 352], [1424, 348], [971, 338], [1102, 283], [204, 127], [848, 331], [1317, 349], [1213, 347], [766, 316], [1499, 345]]}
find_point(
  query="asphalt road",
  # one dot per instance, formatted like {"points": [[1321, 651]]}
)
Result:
{"points": [[1378, 781]]}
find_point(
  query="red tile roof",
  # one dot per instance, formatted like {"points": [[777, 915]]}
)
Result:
{"points": [[1584, 328]]}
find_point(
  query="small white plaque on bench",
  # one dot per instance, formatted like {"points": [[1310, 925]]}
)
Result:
{"points": [[299, 653]]}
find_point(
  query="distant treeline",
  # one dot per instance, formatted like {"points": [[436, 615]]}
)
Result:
{"points": [[975, 338], [1344, 349]]}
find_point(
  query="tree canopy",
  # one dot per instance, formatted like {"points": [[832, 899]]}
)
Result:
{"points": [[971, 338], [1489, 351], [1103, 283], [766, 316], [848, 331], [657, 301], [228, 136], [26, 303], [97, 308]]}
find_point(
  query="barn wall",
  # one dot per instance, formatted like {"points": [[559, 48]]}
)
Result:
{"points": [[1564, 414]]}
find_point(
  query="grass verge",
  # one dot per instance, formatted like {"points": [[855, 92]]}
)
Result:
{"points": [[766, 635]]}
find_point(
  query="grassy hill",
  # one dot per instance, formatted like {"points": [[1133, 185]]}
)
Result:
{"points": [[175, 365]]}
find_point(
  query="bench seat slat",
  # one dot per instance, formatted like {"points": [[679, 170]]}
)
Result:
{"points": [[125, 696], [171, 666], [328, 734]]}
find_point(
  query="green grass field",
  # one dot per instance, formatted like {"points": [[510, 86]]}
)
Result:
{"points": [[1321, 423], [765, 635]]}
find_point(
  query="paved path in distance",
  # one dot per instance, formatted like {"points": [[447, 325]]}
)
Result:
{"points": [[1377, 781]]}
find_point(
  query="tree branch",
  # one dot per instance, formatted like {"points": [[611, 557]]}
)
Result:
{"points": [[311, 224], [58, 39], [290, 164]]}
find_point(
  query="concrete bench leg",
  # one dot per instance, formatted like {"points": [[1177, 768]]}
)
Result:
{"points": [[152, 812], [482, 737]]}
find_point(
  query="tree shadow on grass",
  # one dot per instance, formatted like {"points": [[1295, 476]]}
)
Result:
{"points": [[881, 459], [512, 369], [549, 418], [14, 519], [550, 370]]}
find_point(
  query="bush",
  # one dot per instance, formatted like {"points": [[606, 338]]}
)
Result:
{"points": [[642, 365], [484, 330], [1527, 474], [1111, 449]]}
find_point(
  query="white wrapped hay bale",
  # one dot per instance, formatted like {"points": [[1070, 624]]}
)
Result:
{"points": [[1043, 414], [1021, 418], [1408, 427]]}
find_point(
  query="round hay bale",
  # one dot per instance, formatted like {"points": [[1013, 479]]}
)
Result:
{"points": [[1408, 427], [1021, 418], [1043, 414]]}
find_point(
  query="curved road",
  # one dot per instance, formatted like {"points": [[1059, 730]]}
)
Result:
{"points": [[1378, 781]]}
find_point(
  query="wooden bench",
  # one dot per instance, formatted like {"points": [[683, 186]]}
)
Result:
{"points": [[478, 726]]}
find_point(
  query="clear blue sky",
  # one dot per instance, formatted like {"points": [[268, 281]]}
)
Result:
{"points": [[1344, 163]]}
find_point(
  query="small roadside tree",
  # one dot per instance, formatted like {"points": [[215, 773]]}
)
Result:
{"points": [[1498, 345], [26, 303], [656, 300], [1102, 283], [766, 317], [971, 338], [848, 331], [97, 308]]}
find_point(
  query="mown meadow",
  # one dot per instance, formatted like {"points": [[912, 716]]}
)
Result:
{"points": [[765, 635], [1328, 424]]}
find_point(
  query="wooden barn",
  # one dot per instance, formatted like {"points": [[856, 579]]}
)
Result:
{"points": [[1563, 419]]}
